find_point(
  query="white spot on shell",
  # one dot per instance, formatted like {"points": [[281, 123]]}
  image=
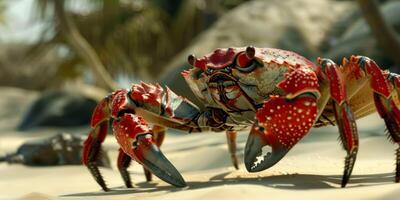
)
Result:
{"points": [[300, 110]]}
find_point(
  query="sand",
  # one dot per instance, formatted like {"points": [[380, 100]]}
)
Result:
{"points": [[312, 170]]}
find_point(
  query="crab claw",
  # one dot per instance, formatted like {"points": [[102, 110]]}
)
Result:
{"points": [[279, 125], [149, 155], [136, 140], [262, 151]]}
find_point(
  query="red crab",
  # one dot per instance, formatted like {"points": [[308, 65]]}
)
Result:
{"points": [[279, 94]]}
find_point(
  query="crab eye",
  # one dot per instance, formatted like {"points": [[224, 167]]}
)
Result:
{"points": [[199, 63], [245, 61], [245, 58], [191, 59]]}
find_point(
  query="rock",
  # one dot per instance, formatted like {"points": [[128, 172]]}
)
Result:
{"points": [[296, 25], [358, 39], [13, 103], [61, 149], [58, 108]]}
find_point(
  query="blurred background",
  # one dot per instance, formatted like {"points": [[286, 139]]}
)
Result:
{"points": [[59, 57], [78, 50], [75, 51]]}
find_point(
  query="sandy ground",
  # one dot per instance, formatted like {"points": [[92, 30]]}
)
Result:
{"points": [[312, 170]]}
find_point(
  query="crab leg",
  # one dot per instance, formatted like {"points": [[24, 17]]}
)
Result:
{"points": [[100, 124], [343, 115], [386, 88], [123, 162], [231, 140], [91, 152], [390, 114], [348, 136]]}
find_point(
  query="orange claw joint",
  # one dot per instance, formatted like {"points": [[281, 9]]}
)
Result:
{"points": [[136, 140], [281, 123]]}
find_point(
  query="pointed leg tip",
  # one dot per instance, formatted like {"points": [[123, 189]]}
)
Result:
{"points": [[344, 183], [345, 180], [149, 177], [128, 185], [235, 162]]}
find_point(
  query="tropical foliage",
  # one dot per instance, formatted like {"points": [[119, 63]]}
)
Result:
{"points": [[134, 38]]}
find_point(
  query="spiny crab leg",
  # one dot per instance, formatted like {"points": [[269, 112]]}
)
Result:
{"points": [[386, 95], [91, 150], [391, 115], [344, 116], [123, 162]]}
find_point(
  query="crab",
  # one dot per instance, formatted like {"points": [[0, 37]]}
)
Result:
{"points": [[277, 94]]}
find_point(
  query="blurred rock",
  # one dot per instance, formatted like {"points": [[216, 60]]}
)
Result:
{"points": [[58, 108], [13, 103], [358, 39], [61, 149], [296, 25]]}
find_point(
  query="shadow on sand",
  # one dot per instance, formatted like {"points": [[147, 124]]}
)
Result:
{"points": [[290, 182]]}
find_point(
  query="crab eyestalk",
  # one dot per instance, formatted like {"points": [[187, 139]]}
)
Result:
{"points": [[195, 62], [149, 155], [245, 58], [191, 59], [262, 150]]}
